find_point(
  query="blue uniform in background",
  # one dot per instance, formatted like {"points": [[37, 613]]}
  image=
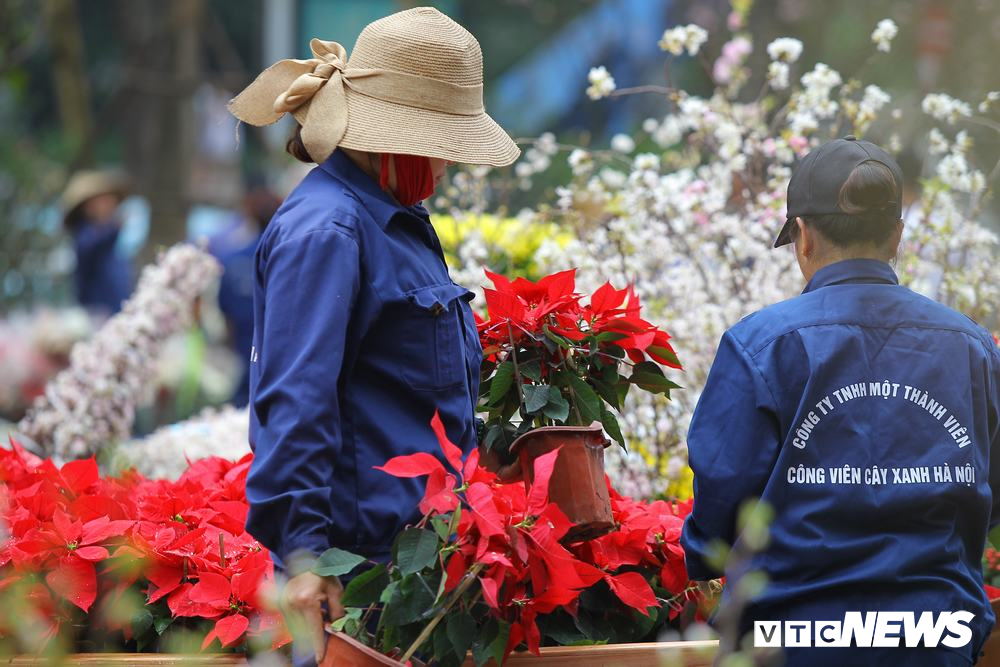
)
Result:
{"points": [[236, 290], [866, 415], [103, 278], [359, 336]]}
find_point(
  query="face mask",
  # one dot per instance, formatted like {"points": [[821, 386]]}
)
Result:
{"points": [[414, 177]]}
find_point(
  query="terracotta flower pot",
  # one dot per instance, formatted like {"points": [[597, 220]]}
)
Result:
{"points": [[577, 485], [345, 651]]}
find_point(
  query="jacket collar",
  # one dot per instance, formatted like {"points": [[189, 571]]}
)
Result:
{"points": [[379, 203], [848, 271]]}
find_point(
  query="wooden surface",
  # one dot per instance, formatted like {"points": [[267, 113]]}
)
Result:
{"points": [[662, 654], [139, 659]]}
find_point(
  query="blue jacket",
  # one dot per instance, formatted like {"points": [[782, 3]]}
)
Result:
{"points": [[103, 277], [866, 416], [359, 335]]}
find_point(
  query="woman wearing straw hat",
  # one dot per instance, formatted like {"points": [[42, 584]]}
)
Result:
{"points": [[90, 204], [359, 333]]}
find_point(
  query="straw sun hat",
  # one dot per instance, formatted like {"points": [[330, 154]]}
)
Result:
{"points": [[413, 85], [90, 183]]}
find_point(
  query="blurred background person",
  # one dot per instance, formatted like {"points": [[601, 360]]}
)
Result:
{"points": [[103, 276], [234, 247]]}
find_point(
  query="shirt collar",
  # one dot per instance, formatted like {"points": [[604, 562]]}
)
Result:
{"points": [[382, 207], [871, 271]]}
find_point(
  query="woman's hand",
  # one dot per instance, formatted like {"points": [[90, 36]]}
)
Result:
{"points": [[302, 600]]}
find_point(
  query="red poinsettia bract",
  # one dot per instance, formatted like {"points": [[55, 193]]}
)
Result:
{"points": [[521, 308], [83, 536]]}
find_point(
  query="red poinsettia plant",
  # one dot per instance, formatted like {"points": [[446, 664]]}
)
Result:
{"points": [[487, 569], [556, 357], [127, 563]]}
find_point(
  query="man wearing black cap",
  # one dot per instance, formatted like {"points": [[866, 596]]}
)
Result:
{"points": [[865, 415]]}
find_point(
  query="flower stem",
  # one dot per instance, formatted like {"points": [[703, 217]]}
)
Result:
{"points": [[517, 370]]}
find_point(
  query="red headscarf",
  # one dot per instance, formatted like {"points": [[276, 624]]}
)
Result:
{"points": [[414, 177]]}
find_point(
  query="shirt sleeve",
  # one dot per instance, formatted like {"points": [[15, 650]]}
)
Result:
{"points": [[310, 285], [733, 442]]}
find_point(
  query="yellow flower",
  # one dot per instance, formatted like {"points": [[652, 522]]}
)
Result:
{"points": [[510, 243], [682, 487]]}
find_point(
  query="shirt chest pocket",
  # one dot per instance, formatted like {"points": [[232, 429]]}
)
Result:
{"points": [[434, 337]]}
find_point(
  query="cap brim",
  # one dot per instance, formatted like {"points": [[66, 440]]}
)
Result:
{"points": [[377, 126], [785, 235]]}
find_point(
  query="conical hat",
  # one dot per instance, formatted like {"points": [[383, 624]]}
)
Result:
{"points": [[90, 183]]}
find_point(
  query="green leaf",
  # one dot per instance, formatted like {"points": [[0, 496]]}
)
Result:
{"points": [[161, 624], [386, 594], [415, 549], [442, 647], [587, 401], [614, 351], [994, 537], [557, 339], [461, 632], [353, 614], [439, 595], [606, 391], [390, 638], [365, 588], [503, 380], [665, 353], [440, 526], [142, 622], [409, 602], [557, 408], [609, 373], [611, 426], [491, 642], [536, 397], [649, 376], [494, 435], [559, 627], [336, 563], [622, 388], [531, 369], [510, 406]]}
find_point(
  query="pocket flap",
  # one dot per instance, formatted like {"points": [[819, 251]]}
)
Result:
{"points": [[438, 298]]}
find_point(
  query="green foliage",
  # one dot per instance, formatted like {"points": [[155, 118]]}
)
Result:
{"points": [[366, 588], [414, 550], [490, 642], [336, 563]]}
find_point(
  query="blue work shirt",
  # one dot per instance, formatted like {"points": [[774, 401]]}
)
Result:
{"points": [[359, 336], [865, 414], [103, 278]]}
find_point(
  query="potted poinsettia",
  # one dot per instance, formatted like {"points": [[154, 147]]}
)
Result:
{"points": [[557, 368], [485, 571]]}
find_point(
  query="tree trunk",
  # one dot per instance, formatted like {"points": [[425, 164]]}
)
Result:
{"points": [[165, 41], [69, 70]]}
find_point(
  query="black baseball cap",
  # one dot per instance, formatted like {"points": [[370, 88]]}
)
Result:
{"points": [[814, 188]]}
